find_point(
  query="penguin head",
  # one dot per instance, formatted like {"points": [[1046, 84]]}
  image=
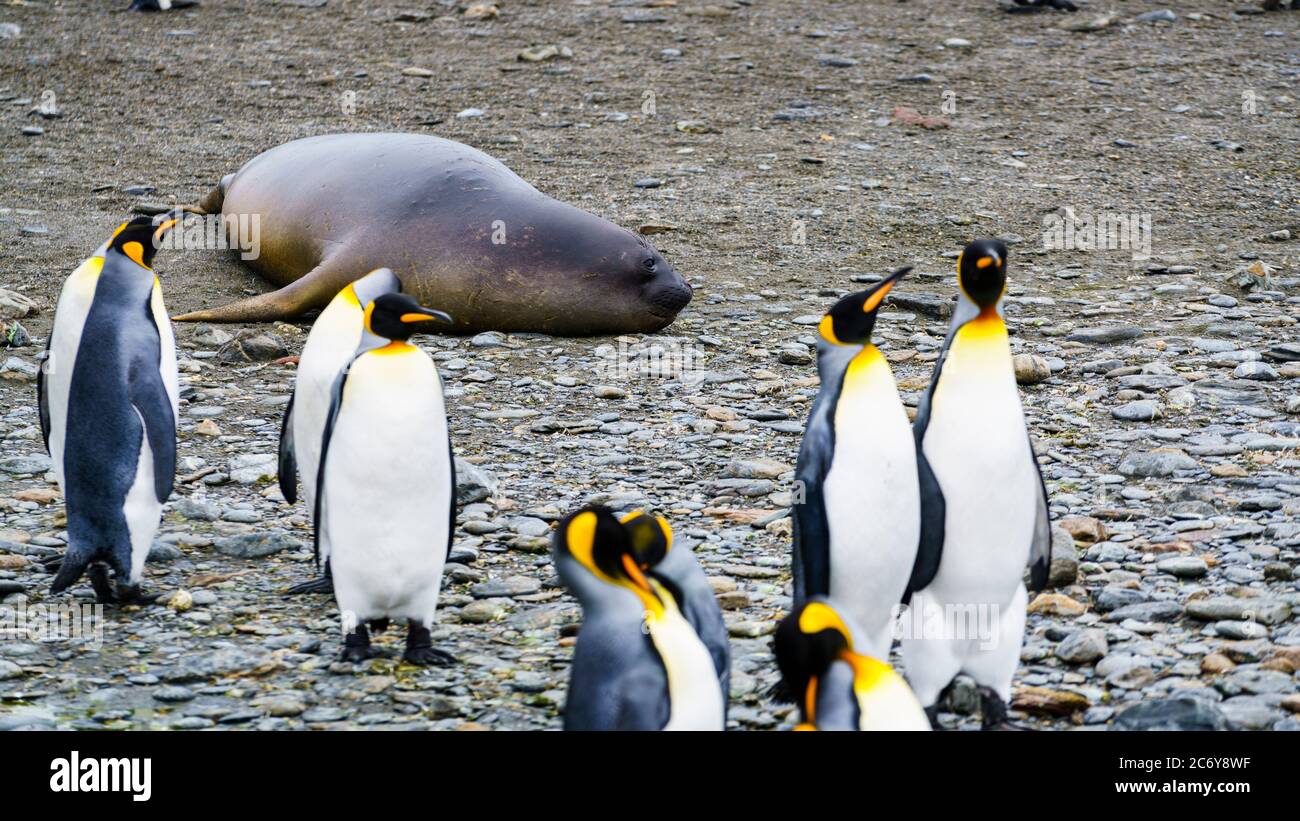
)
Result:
{"points": [[374, 284], [649, 538], [806, 643], [138, 238], [603, 546], [982, 272], [398, 316], [851, 320]]}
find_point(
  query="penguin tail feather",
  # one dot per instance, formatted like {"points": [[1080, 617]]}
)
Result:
{"points": [[71, 569], [780, 693]]}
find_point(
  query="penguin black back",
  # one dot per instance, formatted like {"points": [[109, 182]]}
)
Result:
{"points": [[117, 403]]}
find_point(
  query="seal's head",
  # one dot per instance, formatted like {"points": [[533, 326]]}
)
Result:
{"points": [[664, 290], [587, 276]]}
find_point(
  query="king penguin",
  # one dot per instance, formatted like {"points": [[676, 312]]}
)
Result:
{"points": [[639, 664], [835, 686], [333, 342], [108, 393], [986, 516], [385, 488], [651, 539], [858, 522]]}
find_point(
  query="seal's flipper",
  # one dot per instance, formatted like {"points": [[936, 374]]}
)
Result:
{"points": [[311, 290]]}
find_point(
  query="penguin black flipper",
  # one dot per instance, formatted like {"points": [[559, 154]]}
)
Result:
{"points": [[929, 550], [1040, 551], [933, 507], [451, 529], [288, 466], [150, 400], [811, 529], [42, 396], [336, 403]]}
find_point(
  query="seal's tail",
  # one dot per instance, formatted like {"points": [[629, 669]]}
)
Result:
{"points": [[211, 204]]}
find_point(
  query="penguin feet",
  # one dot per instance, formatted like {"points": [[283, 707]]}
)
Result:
{"points": [[356, 645], [105, 593], [420, 650], [124, 594], [994, 712], [325, 584]]}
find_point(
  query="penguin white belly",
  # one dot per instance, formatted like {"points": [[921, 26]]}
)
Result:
{"points": [[978, 447], [69, 321], [891, 706], [873, 506], [388, 489], [332, 342], [695, 697]]}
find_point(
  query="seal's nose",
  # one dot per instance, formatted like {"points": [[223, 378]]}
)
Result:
{"points": [[670, 298]]}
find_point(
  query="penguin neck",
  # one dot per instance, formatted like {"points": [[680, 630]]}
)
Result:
{"points": [[833, 360], [986, 327]]}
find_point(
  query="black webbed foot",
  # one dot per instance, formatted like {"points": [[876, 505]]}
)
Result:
{"points": [[325, 584], [322, 585], [420, 649], [356, 645], [994, 713], [105, 590]]}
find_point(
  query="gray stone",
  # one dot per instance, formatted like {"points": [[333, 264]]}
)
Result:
{"points": [[1257, 371], [1184, 567], [1183, 713], [1083, 646], [1266, 611], [1147, 611], [26, 465], [473, 483], [1143, 410], [256, 545], [1106, 334], [508, 587], [1156, 463]]}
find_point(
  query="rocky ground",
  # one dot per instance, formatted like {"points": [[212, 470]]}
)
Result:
{"points": [[764, 143]]}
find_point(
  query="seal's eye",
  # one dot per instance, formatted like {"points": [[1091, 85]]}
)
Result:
{"points": [[648, 265]]}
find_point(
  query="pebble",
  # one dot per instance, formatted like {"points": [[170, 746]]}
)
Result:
{"points": [[1184, 714], [1161, 462], [1106, 335], [1142, 410], [1030, 369], [1083, 647]]}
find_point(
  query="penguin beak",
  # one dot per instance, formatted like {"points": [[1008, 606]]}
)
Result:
{"points": [[991, 259], [162, 229], [427, 315], [634, 573], [810, 702], [640, 585], [882, 290]]}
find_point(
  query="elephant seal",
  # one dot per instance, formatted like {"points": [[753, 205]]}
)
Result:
{"points": [[462, 232]]}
